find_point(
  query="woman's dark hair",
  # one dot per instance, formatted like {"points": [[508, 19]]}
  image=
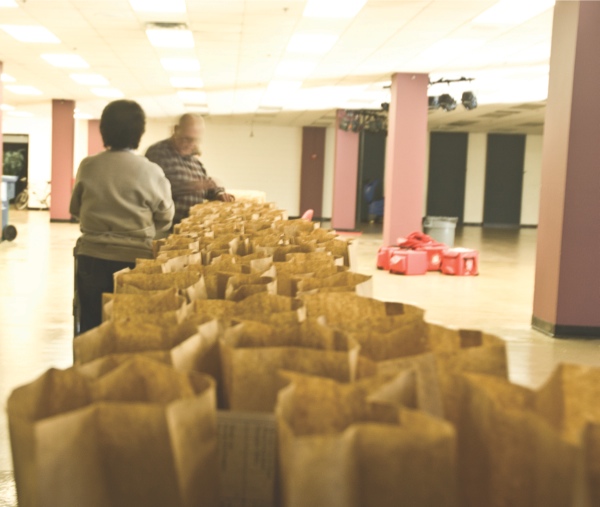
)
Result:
{"points": [[122, 124]]}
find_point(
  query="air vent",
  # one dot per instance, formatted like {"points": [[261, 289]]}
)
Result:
{"points": [[164, 25], [532, 124], [530, 107], [463, 123], [498, 114]]}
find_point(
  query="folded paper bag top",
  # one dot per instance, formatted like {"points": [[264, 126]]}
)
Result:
{"points": [[126, 438]]}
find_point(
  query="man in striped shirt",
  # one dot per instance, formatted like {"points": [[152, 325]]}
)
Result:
{"points": [[178, 157]]}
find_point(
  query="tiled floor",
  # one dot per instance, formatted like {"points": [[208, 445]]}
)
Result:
{"points": [[36, 290]]}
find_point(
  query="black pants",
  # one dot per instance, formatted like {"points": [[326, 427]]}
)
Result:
{"points": [[94, 276]]}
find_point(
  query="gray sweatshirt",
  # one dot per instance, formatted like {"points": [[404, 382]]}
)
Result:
{"points": [[122, 201]]}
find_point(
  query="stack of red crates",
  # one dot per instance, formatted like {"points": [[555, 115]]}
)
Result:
{"points": [[419, 253]]}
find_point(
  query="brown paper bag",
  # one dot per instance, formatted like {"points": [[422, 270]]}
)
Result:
{"points": [[509, 452], [344, 281], [139, 435], [189, 283], [445, 352], [252, 353], [339, 449]]}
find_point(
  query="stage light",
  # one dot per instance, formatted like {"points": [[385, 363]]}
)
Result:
{"points": [[434, 102], [447, 102], [469, 101]]}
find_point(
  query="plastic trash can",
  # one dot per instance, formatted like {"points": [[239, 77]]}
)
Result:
{"points": [[11, 185], [441, 229], [8, 232]]}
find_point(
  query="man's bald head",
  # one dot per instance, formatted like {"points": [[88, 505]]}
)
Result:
{"points": [[187, 135]]}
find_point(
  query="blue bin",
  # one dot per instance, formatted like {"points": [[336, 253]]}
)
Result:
{"points": [[8, 232], [11, 185]]}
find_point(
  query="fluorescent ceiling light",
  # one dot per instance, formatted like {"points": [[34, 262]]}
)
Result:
{"points": [[109, 93], [89, 79], [311, 43], [333, 8], [512, 12], [186, 82], [180, 64], [31, 33], [6, 107], [192, 97], [295, 69], [23, 89], [20, 114], [283, 86], [66, 61], [279, 91], [5, 78], [170, 38], [8, 3], [449, 48], [165, 6]]}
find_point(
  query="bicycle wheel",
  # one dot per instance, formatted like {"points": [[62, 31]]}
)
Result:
{"points": [[22, 199]]}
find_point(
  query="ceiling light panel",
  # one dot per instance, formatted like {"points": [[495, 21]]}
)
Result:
{"points": [[512, 12], [109, 93], [66, 61], [180, 64], [20, 114], [162, 6], [170, 38], [295, 69], [23, 89], [310, 43], [192, 96], [5, 78], [31, 33], [8, 3], [342, 9], [89, 79], [6, 107], [186, 82]]}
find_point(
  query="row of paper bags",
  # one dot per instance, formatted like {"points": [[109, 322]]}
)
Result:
{"points": [[374, 406]]}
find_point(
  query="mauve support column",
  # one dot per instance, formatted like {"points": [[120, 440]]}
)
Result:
{"points": [[95, 144], [567, 277], [405, 156], [345, 178], [312, 169], [63, 141], [1, 102]]}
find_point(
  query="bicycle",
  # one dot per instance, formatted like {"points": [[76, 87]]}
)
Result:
{"points": [[22, 198]]}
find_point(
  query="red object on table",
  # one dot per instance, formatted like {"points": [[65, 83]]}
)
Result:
{"points": [[408, 262], [460, 262]]}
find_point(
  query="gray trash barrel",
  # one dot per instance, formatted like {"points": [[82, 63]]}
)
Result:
{"points": [[441, 229]]}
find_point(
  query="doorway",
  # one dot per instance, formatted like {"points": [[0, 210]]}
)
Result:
{"points": [[503, 180]]}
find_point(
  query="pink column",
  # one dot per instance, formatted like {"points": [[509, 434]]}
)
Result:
{"points": [[1, 102], [567, 298], [345, 178], [63, 143], [95, 144], [405, 156]]}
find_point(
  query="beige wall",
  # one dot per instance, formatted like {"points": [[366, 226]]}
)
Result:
{"points": [[270, 161]]}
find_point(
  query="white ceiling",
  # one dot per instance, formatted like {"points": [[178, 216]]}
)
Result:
{"points": [[239, 44]]}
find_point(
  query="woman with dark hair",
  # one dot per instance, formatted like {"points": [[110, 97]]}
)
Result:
{"points": [[122, 201]]}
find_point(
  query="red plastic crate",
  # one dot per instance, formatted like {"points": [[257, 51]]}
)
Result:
{"points": [[435, 254], [460, 262], [383, 256], [408, 262]]}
